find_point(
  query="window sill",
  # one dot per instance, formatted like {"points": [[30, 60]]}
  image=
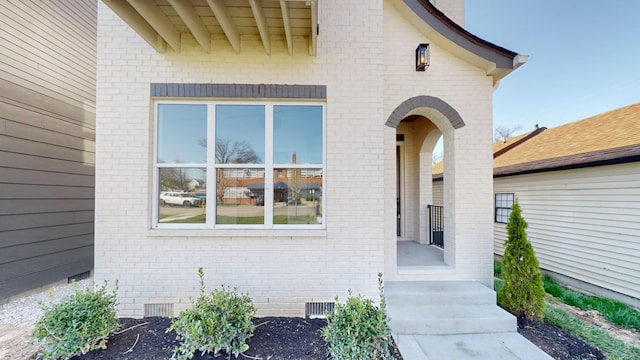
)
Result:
{"points": [[239, 233]]}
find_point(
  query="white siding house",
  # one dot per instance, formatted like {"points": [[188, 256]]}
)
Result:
{"points": [[579, 188], [47, 142], [319, 108]]}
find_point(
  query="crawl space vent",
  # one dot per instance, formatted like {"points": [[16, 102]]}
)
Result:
{"points": [[317, 309], [163, 310], [78, 277]]}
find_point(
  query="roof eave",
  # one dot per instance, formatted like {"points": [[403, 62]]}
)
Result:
{"points": [[621, 155]]}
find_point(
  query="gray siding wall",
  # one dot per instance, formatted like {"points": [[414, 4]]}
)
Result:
{"points": [[47, 141], [583, 223]]}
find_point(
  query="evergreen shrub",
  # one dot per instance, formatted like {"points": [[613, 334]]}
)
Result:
{"points": [[523, 292]]}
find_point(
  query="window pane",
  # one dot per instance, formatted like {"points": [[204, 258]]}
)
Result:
{"points": [[182, 133], [297, 132], [297, 196], [182, 197], [240, 196], [240, 134]]}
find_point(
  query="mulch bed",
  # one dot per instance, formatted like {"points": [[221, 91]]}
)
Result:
{"points": [[274, 338], [556, 342], [283, 338]]}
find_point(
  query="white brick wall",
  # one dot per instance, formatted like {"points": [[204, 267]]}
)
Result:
{"points": [[468, 202], [280, 272], [368, 70], [454, 9]]}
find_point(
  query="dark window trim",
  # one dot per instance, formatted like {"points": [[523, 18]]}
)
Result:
{"points": [[496, 207], [255, 91]]}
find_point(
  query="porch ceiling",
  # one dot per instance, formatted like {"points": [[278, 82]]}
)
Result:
{"points": [[165, 22]]}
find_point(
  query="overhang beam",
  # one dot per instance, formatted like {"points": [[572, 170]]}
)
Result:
{"points": [[287, 25], [129, 15], [314, 28], [261, 22], [222, 15], [158, 21], [192, 20]]}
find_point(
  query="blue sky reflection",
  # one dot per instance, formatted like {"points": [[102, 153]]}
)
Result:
{"points": [[181, 128], [297, 129]]}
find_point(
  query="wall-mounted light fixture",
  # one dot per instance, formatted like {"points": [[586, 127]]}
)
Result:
{"points": [[422, 57]]}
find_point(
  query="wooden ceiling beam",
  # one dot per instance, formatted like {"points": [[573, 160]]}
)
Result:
{"points": [[222, 15], [187, 13], [158, 21], [261, 22], [287, 25], [314, 28], [130, 16]]}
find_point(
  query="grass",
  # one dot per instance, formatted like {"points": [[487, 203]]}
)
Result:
{"points": [[614, 349], [194, 219], [614, 311], [221, 219]]}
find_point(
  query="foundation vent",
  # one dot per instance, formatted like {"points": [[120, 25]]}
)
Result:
{"points": [[78, 277], [163, 310], [317, 309]]}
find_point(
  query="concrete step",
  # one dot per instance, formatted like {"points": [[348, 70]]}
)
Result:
{"points": [[450, 319], [497, 346], [416, 293]]}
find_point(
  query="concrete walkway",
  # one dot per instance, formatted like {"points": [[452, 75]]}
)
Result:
{"points": [[457, 320], [492, 346]]}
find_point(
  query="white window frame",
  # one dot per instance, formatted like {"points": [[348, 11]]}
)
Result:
{"points": [[211, 167]]}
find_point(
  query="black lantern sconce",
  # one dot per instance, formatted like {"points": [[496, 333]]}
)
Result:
{"points": [[422, 57]]}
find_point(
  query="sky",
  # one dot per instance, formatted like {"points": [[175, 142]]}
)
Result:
{"points": [[584, 57], [297, 129]]}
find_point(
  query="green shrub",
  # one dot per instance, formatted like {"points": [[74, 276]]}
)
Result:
{"points": [[219, 321], [523, 292], [358, 330], [77, 325], [497, 269]]}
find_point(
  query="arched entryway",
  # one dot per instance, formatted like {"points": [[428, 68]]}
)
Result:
{"points": [[419, 123]]}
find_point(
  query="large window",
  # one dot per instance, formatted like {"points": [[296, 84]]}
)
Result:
{"points": [[504, 203], [239, 165]]}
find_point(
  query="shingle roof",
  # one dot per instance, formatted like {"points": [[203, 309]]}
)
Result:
{"points": [[601, 138], [610, 137]]}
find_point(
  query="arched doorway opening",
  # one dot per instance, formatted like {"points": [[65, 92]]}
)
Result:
{"points": [[420, 122]]}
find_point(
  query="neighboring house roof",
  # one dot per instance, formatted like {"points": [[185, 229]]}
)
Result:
{"points": [[505, 145], [609, 138], [497, 61]]}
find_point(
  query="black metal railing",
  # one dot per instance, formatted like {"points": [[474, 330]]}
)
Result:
{"points": [[436, 225]]}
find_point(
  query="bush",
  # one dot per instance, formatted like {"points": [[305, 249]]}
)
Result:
{"points": [[79, 324], [358, 330], [218, 321], [523, 292]]}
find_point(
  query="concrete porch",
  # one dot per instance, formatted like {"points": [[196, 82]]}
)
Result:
{"points": [[413, 254], [453, 320]]}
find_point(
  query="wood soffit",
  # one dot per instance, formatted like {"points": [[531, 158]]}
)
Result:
{"points": [[163, 23]]}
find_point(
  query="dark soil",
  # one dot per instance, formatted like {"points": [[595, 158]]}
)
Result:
{"points": [[274, 338], [278, 338], [556, 342]]}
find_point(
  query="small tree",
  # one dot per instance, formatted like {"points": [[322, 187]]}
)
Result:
{"points": [[523, 292]]}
